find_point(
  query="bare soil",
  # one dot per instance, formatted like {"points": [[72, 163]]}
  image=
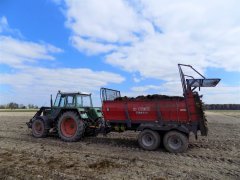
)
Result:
{"points": [[117, 156]]}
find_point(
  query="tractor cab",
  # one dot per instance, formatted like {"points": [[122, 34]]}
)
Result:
{"points": [[78, 100], [81, 102]]}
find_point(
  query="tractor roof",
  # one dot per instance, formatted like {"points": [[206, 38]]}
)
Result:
{"points": [[75, 93]]}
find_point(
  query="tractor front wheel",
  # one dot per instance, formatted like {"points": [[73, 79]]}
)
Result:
{"points": [[70, 127], [175, 142], [39, 129]]}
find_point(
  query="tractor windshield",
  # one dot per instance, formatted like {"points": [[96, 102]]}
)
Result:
{"points": [[57, 100], [84, 101]]}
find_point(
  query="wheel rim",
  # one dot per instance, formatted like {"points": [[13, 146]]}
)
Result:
{"points": [[175, 142], [68, 127], [148, 140], [38, 127]]}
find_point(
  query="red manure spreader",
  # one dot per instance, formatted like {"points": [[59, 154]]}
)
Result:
{"points": [[169, 119]]}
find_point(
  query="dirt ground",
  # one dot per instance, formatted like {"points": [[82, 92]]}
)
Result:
{"points": [[117, 156]]}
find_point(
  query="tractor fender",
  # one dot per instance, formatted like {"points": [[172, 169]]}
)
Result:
{"points": [[82, 116], [47, 122], [63, 110]]}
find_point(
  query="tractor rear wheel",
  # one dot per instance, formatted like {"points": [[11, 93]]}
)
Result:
{"points": [[39, 129], [70, 127], [175, 142], [149, 139]]}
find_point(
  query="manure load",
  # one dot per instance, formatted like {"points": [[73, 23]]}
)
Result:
{"points": [[147, 97]]}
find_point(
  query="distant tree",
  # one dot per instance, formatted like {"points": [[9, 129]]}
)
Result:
{"points": [[30, 106], [222, 106], [2, 107], [21, 106], [13, 105]]}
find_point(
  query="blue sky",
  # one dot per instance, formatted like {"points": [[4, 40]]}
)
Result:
{"points": [[130, 45]]}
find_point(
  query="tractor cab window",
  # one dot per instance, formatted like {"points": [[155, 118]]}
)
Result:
{"points": [[70, 101], [57, 100], [84, 101], [62, 101]]}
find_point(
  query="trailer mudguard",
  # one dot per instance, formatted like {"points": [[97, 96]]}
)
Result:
{"points": [[158, 127]]}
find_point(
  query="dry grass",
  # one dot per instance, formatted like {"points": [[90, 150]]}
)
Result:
{"points": [[231, 113], [18, 110]]}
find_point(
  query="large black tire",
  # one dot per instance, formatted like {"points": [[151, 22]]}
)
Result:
{"points": [[39, 129], [175, 142], [70, 127], [149, 139]]}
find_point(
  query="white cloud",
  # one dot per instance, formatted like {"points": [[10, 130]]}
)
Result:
{"points": [[171, 88], [91, 47], [145, 88], [4, 28], [104, 23], [28, 82], [154, 60], [150, 37], [158, 34], [221, 94], [15, 52], [34, 84], [3, 24]]}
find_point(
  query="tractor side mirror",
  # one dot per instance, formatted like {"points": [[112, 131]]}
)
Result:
{"points": [[51, 101]]}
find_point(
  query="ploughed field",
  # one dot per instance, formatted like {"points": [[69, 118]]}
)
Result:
{"points": [[117, 156]]}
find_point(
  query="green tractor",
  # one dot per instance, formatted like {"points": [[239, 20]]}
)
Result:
{"points": [[72, 116]]}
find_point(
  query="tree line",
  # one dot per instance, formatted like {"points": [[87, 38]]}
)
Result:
{"points": [[13, 105], [222, 106]]}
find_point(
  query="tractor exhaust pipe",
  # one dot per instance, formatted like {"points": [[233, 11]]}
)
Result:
{"points": [[51, 101]]}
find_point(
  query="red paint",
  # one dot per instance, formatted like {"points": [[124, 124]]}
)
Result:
{"points": [[68, 127]]}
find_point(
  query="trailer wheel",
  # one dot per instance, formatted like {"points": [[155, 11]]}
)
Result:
{"points": [[39, 129], [175, 142], [70, 127], [149, 139]]}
